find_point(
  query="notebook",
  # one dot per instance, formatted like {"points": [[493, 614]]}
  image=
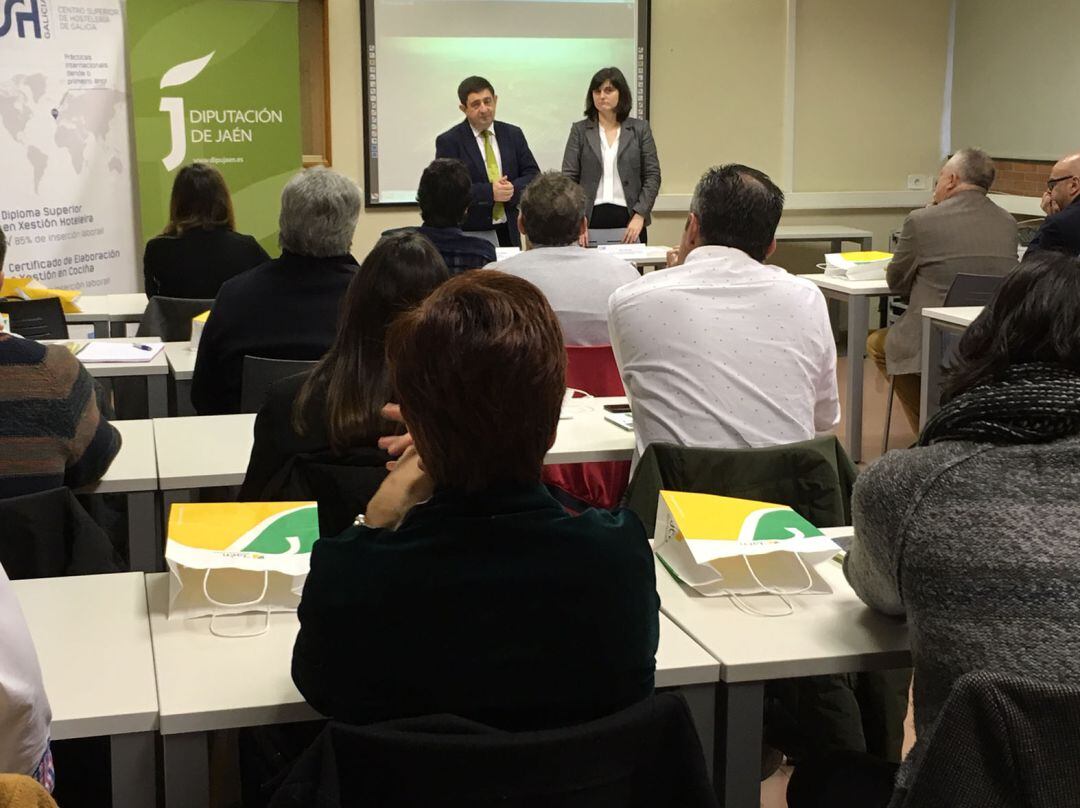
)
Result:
{"points": [[102, 351]]}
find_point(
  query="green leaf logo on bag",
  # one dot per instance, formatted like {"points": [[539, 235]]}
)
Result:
{"points": [[289, 533], [776, 524]]}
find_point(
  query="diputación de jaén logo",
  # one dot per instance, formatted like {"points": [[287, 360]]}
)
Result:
{"points": [[33, 15], [175, 76]]}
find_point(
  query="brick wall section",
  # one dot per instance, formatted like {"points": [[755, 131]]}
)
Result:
{"points": [[1021, 177]]}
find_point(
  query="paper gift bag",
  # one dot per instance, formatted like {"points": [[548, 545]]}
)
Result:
{"points": [[198, 323], [236, 557], [30, 289], [725, 546]]}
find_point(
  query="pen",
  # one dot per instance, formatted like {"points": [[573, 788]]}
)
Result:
{"points": [[143, 347]]}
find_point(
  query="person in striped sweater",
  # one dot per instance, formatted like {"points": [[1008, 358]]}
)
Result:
{"points": [[52, 432]]}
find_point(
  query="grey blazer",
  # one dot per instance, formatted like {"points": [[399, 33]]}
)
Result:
{"points": [[639, 167], [966, 233]]}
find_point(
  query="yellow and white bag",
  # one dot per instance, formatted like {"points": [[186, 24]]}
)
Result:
{"points": [[237, 557], [735, 547]]}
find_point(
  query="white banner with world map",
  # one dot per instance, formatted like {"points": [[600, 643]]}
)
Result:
{"points": [[66, 202]]}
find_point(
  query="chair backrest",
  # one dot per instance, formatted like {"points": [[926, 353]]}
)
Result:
{"points": [[592, 368], [442, 761], [260, 373], [1000, 740], [36, 319], [606, 235], [972, 290], [49, 534], [170, 317]]}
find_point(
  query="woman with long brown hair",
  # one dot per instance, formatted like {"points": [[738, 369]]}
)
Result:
{"points": [[199, 249]]}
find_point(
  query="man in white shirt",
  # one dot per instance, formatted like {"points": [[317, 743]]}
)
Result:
{"points": [[724, 350], [576, 281]]}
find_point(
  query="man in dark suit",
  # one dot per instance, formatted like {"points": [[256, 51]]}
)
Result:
{"points": [[1061, 229], [498, 157]]}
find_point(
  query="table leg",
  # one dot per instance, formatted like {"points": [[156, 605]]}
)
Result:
{"points": [[701, 699], [741, 712], [157, 396], [117, 329], [858, 328], [866, 243], [101, 328], [187, 770], [144, 537], [133, 762], [836, 245], [930, 384]]}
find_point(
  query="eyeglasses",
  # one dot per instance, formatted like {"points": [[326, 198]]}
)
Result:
{"points": [[1050, 183]]}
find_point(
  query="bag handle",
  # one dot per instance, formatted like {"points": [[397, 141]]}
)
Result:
{"points": [[259, 599], [742, 605]]}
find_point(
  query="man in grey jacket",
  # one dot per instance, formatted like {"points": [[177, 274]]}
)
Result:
{"points": [[962, 231]]}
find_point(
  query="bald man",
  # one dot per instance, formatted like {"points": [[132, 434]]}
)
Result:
{"points": [[962, 231], [1061, 228]]}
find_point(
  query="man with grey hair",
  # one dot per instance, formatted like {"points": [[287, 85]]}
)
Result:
{"points": [[576, 281], [288, 307], [962, 231]]}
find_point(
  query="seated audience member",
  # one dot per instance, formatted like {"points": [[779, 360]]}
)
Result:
{"points": [[25, 715], [961, 232], [443, 196], [336, 408], [54, 434], [288, 307], [725, 351], [1061, 229], [577, 282], [538, 619], [200, 248], [974, 535]]}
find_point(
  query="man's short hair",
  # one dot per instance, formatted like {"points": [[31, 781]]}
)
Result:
{"points": [[738, 206], [975, 167], [319, 209], [445, 193], [3, 248], [473, 84], [479, 368], [553, 206]]}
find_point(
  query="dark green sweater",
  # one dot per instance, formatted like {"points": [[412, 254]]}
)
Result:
{"points": [[496, 607]]}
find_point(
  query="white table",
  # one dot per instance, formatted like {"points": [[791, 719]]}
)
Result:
{"points": [[210, 683], [134, 472], [936, 323], [834, 234], [856, 294], [154, 373], [826, 634], [93, 641], [181, 361], [95, 311], [644, 257], [105, 311]]}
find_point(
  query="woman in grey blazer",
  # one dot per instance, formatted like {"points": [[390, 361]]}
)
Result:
{"points": [[613, 157]]}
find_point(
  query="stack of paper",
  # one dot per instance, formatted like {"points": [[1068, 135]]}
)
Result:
{"points": [[858, 266], [104, 351]]}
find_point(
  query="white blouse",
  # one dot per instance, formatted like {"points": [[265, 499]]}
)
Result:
{"points": [[610, 190]]}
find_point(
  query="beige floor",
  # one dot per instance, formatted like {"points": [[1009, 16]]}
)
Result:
{"points": [[901, 435]]}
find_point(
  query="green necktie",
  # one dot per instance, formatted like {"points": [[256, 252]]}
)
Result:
{"points": [[497, 210]]}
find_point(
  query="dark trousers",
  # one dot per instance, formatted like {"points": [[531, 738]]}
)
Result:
{"points": [[613, 217], [842, 778], [503, 232]]}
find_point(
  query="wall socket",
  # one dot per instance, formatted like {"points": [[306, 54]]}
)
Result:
{"points": [[918, 182]]}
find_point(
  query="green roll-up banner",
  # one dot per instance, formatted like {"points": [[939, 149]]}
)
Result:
{"points": [[216, 81]]}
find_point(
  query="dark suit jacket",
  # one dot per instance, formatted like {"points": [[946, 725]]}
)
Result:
{"points": [[285, 309], [195, 264], [497, 607], [639, 167], [518, 165], [1061, 231]]}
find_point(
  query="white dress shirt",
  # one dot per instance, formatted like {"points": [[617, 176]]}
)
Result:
{"points": [[479, 135], [610, 190], [725, 352], [24, 710], [577, 283]]}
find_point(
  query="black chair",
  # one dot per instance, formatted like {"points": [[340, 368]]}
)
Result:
{"points": [[965, 290], [49, 534], [645, 756], [36, 319], [1000, 741], [259, 374], [170, 317]]}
